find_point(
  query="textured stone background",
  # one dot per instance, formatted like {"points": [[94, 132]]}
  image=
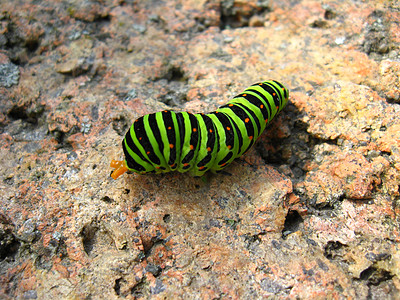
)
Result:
{"points": [[311, 211]]}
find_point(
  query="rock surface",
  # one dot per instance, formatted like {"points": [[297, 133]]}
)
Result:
{"points": [[312, 211]]}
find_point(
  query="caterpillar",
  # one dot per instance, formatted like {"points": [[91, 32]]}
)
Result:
{"points": [[196, 143]]}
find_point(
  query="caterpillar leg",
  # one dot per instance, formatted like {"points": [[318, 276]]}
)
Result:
{"points": [[120, 168]]}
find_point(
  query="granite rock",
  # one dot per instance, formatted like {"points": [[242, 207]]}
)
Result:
{"points": [[312, 211]]}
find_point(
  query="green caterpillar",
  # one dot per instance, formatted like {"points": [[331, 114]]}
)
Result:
{"points": [[196, 143]]}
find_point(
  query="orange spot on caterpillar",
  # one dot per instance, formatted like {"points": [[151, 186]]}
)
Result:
{"points": [[250, 137], [148, 152], [186, 164], [266, 120], [201, 168], [208, 149], [273, 94], [169, 128], [244, 95], [191, 147], [230, 105], [223, 164], [194, 129], [247, 120], [171, 146], [228, 128], [211, 130], [262, 106], [229, 147]]}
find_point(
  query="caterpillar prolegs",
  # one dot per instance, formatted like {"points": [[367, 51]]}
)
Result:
{"points": [[196, 143]]}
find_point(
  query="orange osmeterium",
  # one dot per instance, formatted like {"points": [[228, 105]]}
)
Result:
{"points": [[120, 168]]}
